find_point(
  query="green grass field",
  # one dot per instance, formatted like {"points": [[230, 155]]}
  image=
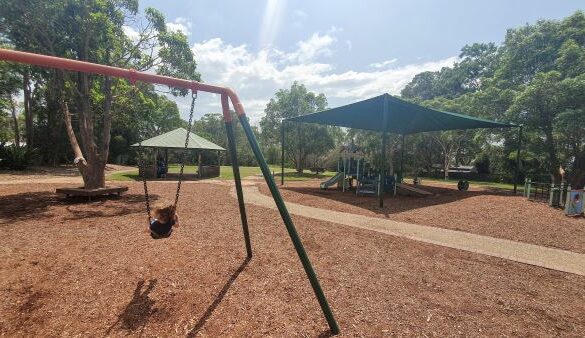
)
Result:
{"points": [[226, 173]]}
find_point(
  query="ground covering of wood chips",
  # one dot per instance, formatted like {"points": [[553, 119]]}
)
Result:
{"points": [[70, 268], [481, 211]]}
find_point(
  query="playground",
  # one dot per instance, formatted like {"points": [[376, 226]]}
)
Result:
{"points": [[74, 268], [368, 218], [481, 210]]}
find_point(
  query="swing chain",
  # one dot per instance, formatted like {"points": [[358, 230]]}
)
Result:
{"points": [[194, 97]]}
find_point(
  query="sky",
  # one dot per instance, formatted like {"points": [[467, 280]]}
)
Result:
{"points": [[348, 50]]}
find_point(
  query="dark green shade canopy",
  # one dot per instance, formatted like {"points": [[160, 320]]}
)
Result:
{"points": [[176, 139], [402, 117]]}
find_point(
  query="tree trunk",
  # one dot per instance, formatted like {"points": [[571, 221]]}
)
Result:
{"points": [[107, 122], [79, 159], [552, 155], [15, 122], [446, 162], [577, 175], [27, 110]]}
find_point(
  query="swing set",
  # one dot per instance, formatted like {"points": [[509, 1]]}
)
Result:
{"points": [[226, 95]]}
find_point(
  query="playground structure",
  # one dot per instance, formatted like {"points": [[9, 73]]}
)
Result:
{"points": [[226, 95], [389, 114], [352, 165], [556, 195]]}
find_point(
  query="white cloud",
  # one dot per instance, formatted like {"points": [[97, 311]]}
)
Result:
{"points": [[383, 64], [130, 32], [180, 25], [317, 45], [257, 75]]}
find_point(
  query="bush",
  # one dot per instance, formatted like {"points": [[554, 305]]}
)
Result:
{"points": [[16, 158], [482, 164]]}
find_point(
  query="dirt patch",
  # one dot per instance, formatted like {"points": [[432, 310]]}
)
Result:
{"points": [[481, 211], [97, 272]]}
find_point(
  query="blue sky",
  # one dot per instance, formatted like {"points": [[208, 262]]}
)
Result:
{"points": [[348, 50]]}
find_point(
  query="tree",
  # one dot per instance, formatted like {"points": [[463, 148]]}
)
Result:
{"points": [[537, 106], [534, 78], [302, 140], [9, 87], [421, 87], [94, 31]]}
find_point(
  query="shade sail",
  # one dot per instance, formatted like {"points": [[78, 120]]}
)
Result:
{"points": [[402, 117], [176, 139]]}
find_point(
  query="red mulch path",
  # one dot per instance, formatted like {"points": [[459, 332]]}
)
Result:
{"points": [[70, 268], [480, 211]]}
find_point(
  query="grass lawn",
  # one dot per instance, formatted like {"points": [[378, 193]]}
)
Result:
{"points": [[226, 173]]}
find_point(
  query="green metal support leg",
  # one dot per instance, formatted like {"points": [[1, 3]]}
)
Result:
{"points": [[236, 168], [290, 227]]}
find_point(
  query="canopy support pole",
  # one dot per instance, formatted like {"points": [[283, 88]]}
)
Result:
{"points": [[383, 167], [382, 172], [282, 153], [517, 170], [402, 160]]}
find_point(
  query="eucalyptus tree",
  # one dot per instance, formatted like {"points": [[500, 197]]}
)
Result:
{"points": [[106, 32]]}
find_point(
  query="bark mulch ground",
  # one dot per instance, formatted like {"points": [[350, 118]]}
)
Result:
{"points": [[479, 210], [70, 268]]}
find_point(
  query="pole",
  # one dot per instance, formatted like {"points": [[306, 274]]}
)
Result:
{"points": [[282, 153], [517, 170], [383, 166], [382, 172], [199, 163], [402, 160], [292, 232], [236, 168]]}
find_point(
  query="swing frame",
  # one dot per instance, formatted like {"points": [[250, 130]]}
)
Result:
{"points": [[226, 95]]}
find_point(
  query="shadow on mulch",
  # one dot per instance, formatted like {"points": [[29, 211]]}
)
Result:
{"points": [[399, 203], [35, 205], [138, 311], [207, 314]]}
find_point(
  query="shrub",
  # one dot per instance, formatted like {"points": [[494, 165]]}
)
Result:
{"points": [[16, 158]]}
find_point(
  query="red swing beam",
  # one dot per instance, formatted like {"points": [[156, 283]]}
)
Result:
{"points": [[227, 95]]}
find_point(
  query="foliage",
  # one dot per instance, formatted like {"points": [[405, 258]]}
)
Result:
{"points": [[94, 31], [16, 157], [301, 140], [534, 78]]}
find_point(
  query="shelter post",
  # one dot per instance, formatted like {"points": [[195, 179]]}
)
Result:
{"points": [[282, 153], [234, 158], [383, 167], [154, 164], [382, 172], [517, 170], [292, 232], [199, 163], [402, 160]]}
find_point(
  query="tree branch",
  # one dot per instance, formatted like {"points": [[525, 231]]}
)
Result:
{"points": [[79, 159]]}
